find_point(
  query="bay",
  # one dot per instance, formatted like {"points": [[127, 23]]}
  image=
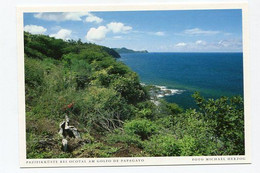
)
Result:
{"points": [[212, 74]]}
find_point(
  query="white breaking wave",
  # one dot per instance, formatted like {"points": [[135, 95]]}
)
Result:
{"points": [[167, 91], [164, 91]]}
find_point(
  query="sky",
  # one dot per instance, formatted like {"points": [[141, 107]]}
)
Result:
{"points": [[155, 31]]}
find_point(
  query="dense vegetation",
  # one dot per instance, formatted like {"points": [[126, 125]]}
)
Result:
{"points": [[113, 111]]}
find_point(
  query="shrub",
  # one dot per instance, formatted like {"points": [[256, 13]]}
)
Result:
{"points": [[119, 136], [141, 127], [41, 126], [145, 113], [174, 108], [130, 88], [42, 46], [166, 122], [94, 150], [225, 118], [101, 78], [162, 145], [188, 146], [146, 110], [102, 109], [34, 83], [166, 109]]}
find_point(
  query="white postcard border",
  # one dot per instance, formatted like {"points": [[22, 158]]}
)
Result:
{"points": [[132, 161]]}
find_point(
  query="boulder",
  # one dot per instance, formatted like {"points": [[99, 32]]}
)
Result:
{"points": [[64, 145], [68, 133]]}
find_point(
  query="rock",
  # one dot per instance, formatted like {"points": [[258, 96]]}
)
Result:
{"points": [[64, 145], [72, 131], [62, 126], [68, 132], [74, 143]]}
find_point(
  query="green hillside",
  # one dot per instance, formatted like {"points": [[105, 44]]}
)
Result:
{"points": [[112, 111]]}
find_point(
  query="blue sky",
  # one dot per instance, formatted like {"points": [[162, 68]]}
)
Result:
{"points": [[155, 31]]}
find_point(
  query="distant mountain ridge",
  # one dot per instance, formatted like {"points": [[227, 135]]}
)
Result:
{"points": [[125, 50]]}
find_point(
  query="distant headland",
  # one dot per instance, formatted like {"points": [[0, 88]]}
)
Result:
{"points": [[125, 50]]}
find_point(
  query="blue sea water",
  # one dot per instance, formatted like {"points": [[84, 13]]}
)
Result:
{"points": [[212, 74]]}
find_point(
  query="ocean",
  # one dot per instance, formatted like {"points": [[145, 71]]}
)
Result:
{"points": [[212, 74]]}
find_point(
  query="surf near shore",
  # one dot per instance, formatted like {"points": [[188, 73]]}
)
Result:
{"points": [[157, 92]]}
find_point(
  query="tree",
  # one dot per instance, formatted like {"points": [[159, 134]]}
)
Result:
{"points": [[225, 117]]}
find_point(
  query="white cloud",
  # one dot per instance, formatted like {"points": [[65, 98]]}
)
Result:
{"points": [[97, 34], [68, 16], [228, 34], [61, 16], [229, 45], [74, 16], [181, 44], [232, 43], [118, 37], [34, 29], [64, 34], [92, 18], [198, 31], [201, 42], [159, 33], [117, 27]]}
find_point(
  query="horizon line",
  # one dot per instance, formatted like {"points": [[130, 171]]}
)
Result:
{"points": [[188, 52]]}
